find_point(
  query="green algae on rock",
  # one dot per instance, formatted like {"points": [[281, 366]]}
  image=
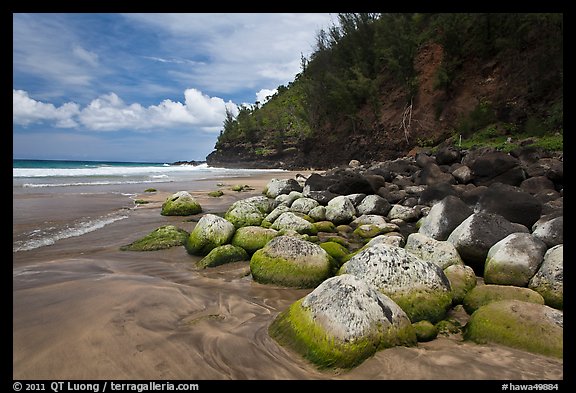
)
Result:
{"points": [[425, 331], [484, 294], [159, 239], [223, 254], [341, 323], [253, 238], [419, 287], [291, 262], [180, 204], [535, 328], [462, 279], [210, 232]]}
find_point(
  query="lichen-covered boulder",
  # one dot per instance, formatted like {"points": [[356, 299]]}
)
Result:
{"points": [[374, 204], [303, 205], [390, 238], [444, 217], [290, 221], [549, 280], [403, 213], [290, 262], [514, 260], [210, 232], [248, 212], [481, 295], [223, 254], [341, 323], [180, 204], [340, 210], [318, 213], [442, 253], [253, 238], [477, 233], [551, 232], [276, 187], [159, 239], [288, 199], [277, 212], [462, 280], [419, 287], [530, 327]]}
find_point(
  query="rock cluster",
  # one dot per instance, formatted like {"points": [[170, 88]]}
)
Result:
{"points": [[390, 247]]}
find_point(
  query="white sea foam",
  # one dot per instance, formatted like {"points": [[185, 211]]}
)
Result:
{"points": [[37, 239]]}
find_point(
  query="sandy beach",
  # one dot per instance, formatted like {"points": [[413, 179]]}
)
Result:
{"points": [[83, 309]]}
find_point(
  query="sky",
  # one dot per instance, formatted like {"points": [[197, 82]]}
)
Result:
{"points": [[150, 87]]}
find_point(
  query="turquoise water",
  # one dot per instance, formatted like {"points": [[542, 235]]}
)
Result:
{"points": [[67, 164]]}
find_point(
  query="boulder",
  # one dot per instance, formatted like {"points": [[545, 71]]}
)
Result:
{"points": [[250, 211], [476, 234], [180, 204], [276, 187], [318, 213], [510, 202], [534, 185], [341, 323], [552, 168], [431, 174], [356, 198], [403, 213], [290, 221], [223, 254], [210, 232], [159, 239], [551, 232], [442, 253], [420, 288], [448, 155], [277, 212], [435, 193], [373, 204], [425, 331], [549, 279], [481, 295], [349, 182], [463, 174], [444, 217], [291, 262], [462, 280], [288, 199], [530, 327], [303, 205], [514, 260], [496, 167], [340, 210], [253, 238]]}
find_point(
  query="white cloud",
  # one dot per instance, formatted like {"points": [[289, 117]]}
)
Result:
{"points": [[110, 113], [26, 110], [263, 94]]}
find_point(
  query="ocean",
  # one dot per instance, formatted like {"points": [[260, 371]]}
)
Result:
{"points": [[55, 200], [57, 173]]}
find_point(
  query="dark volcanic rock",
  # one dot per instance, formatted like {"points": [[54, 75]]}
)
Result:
{"points": [[496, 167], [510, 202]]}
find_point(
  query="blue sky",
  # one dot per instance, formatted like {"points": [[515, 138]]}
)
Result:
{"points": [[145, 87]]}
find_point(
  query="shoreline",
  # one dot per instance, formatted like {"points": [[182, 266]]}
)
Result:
{"points": [[82, 309]]}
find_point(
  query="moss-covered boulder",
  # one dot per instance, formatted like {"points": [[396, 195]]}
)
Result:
{"points": [[484, 294], [249, 211], [325, 226], [419, 287], [159, 239], [223, 254], [514, 260], [253, 238], [462, 280], [341, 323], [530, 327], [549, 280], [180, 204], [425, 331], [291, 262], [336, 250], [210, 232], [373, 230]]}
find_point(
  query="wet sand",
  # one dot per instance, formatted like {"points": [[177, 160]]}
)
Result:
{"points": [[82, 309]]}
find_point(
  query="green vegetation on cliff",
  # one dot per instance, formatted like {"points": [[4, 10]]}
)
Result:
{"points": [[377, 85]]}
